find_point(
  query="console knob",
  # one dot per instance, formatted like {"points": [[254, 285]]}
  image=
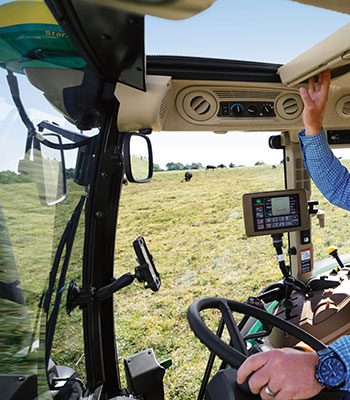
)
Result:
{"points": [[267, 110], [252, 109], [237, 110]]}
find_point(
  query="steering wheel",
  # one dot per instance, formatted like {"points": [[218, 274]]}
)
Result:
{"points": [[236, 354]]}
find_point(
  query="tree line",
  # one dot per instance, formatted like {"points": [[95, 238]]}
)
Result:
{"points": [[8, 177], [177, 166]]}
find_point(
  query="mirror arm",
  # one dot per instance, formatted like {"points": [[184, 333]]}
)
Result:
{"points": [[67, 146], [14, 90], [72, 136]]}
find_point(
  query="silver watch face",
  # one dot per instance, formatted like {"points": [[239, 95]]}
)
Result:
{"points": [[331, 371]]}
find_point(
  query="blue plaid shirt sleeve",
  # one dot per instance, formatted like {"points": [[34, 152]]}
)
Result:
{"points": [[328, 174], [333, 180], [342, 348]]}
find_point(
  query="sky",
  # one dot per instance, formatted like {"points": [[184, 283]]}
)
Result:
{"points": [[267, 31]]}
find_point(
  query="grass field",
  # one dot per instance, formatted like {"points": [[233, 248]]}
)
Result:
{"points": [[195, 233]]}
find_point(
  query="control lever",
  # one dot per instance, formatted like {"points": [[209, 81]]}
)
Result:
{"points": [[333, 251], [267, 328], [321, 218], [316, 212], [321, 284], [289, 285]]}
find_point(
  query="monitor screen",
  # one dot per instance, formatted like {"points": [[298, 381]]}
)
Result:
{"points": [[275, 212]]}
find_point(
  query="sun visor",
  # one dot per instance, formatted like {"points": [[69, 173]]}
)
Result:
{"points": [[332, 53], [175, 9]]}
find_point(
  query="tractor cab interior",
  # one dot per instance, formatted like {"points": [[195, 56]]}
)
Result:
{"points": [[58, 224]]}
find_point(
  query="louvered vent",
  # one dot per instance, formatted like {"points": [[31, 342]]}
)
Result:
{"points": [[343, 107], [289, 106], [199, 105], [164, 107], [246, 94], [346, 109]]}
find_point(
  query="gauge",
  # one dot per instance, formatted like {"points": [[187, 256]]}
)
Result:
{"points": [[237, 110]]}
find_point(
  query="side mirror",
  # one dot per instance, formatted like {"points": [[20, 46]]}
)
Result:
{"points": [[138, 158], [47, 167]]}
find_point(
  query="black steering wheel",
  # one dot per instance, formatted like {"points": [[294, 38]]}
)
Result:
{"points": [[236, 354]]}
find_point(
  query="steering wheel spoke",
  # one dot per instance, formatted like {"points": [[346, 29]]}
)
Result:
{"points": [[236, 338]]}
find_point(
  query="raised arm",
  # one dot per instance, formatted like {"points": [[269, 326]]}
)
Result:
{"points": [[328, 174]]}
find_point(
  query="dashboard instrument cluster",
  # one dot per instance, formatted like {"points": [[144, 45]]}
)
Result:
{"points": [[239, 106], [246, 109]]}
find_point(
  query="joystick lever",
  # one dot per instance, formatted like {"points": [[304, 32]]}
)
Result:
{"points": [[333, 251]]}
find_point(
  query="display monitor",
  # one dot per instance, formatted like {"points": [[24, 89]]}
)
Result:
{"points": [[279, 211]]}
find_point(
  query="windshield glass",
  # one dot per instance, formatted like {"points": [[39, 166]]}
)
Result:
{"points": [[41, 200], [32, 225]]}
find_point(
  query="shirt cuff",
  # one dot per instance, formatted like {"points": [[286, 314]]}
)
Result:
{"points": [[342, 348], [315, 146]]}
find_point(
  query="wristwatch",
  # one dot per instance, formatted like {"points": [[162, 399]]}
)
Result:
{"points": [[330, 371]]}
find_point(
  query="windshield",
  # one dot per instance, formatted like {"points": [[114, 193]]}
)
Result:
{"points": [[32, 225], [41, 201]]}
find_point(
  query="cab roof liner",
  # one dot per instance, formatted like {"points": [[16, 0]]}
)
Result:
{"points": [[342, 6]]}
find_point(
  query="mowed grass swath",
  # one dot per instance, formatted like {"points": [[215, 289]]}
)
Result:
{"points": [[195, 232]]}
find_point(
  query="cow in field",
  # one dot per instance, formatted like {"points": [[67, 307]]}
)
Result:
{"points": [[188, 176], [210, 167]]}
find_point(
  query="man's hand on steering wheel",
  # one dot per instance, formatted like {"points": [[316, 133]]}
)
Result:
{"points": [[281, 374], [285, 373]]}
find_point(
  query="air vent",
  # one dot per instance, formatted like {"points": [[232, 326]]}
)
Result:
{"points": [[343, 107], [200, 105], [289, 106], [346, 109], [197, 105], [246, 94], [164, 107]]}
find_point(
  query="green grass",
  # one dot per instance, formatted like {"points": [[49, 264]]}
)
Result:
{"points": [[35, 231], [195, 233]]}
